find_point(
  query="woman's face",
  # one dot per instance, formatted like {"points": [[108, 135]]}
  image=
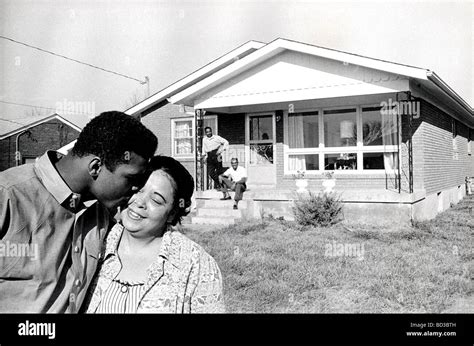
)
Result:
{"points": [[150, 208]]}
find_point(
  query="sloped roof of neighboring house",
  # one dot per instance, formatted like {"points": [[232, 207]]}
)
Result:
{"points": [[160, 98], [428, 79], [14, 126]]}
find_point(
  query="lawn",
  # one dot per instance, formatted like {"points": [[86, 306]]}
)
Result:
{"points": [[275, 266]]}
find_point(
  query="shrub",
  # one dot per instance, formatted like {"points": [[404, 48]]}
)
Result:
{"points": [[321, 209]]}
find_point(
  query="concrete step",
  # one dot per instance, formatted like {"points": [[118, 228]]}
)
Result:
{"points": [[228, 212], [215, 220], [218, 204]]}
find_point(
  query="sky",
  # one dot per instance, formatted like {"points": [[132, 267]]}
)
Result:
{"points": [[167, 40]]}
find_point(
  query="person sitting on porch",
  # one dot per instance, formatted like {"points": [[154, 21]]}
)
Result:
{"points": [[235, 179], [212, 147]]}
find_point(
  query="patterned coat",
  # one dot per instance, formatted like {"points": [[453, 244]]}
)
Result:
{"points": [[184, 278]]}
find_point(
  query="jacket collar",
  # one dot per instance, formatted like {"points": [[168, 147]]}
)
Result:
{"points": [[55, 184], [169, 249]]}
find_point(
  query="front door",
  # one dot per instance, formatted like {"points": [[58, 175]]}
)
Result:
{"points": [[260, 148]]}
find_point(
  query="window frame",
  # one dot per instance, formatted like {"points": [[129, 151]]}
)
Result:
{"points": [[173, 138], [322, 150]]}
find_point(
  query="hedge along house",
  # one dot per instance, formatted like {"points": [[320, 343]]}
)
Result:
{"points": [[398, 139]]}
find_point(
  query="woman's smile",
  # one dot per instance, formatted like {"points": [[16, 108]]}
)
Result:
{"points": [[133, 215]]}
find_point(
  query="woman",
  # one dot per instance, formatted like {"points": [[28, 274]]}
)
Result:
{"points": [[148, 267]]}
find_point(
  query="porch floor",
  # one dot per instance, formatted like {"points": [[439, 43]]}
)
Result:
{"points": [[262, 201]]}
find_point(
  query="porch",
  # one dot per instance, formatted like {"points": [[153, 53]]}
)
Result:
{"points": [[370, 206]]}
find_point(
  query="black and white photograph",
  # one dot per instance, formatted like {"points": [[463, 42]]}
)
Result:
{"points": [[236, 159]]}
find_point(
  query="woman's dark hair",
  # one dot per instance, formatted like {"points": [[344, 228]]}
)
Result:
{"points": [[183, 187], [111, 134]]}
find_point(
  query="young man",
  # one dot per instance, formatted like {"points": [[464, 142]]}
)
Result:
{"points": [[213, 146], [235, 179], [54, 213]]}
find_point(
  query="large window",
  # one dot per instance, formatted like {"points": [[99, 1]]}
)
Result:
{"points": [[342, 139]]}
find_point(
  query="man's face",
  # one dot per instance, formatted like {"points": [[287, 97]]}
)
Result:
{"points": [[114, 188], [208, 132], [234, 164]]}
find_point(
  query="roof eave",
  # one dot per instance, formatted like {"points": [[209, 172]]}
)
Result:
{"points": [[202, 73], [434, 78]]}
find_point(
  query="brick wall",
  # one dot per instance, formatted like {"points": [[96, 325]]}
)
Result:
{"points": [[50, 135], [232, 128], [471, 158], [159, 122], [417, 152], [443, 168]]}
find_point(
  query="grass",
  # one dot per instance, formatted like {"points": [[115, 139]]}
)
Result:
{"points": [[276, 266]]}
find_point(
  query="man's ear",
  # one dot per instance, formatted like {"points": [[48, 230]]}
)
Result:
{"points": [[95, 166]]}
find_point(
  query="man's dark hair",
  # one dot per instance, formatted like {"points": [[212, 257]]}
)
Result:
{"points": [[183, 183], [112, 133], [234, 159], [207, 127]]}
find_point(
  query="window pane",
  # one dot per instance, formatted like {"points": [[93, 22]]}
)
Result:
{"points": [[308, 162], [372, 126], [388, 161], [183, 146], [340, 127], [261, 127], [183, 129], [303, 130], [261, 154], [379, 127], [340, 161]]}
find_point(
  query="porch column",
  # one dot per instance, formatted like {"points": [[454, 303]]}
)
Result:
{"points": [[199, 164]]}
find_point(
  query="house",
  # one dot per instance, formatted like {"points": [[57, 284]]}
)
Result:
{"points": [[397, 137], [23, 140]]}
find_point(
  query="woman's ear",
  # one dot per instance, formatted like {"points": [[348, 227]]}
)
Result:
{"points": [[95, 166], [172, 217]]}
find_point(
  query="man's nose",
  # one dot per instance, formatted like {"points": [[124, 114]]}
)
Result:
{"points": [[139, 199]]}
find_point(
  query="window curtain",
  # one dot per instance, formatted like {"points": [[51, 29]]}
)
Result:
{"points": [[389, 136], [183, 145], [389, 129], [296, 140]]}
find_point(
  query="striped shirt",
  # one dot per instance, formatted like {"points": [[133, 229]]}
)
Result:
{"points": [[121, 297]]}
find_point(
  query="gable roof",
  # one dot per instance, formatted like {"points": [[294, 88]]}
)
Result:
{"points": [[160, 98], [11, 127], [425, 77]]}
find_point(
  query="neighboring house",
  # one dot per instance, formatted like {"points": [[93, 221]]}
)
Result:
{"points": [[32, 136], [397, 137]]}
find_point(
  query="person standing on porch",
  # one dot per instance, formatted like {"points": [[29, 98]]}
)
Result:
{"points": [[213, 146], [235, 179]]}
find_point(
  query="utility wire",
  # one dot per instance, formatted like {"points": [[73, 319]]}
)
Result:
{"points": [[32, 106], [12, 121], [79, 62], [25, 105]]}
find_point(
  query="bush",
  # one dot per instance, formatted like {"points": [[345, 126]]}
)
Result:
{"points": [[321, 209]]}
